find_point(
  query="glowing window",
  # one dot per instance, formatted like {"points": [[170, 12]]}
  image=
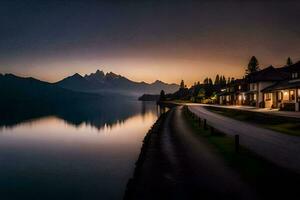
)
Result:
{"points": [[292, 95]]}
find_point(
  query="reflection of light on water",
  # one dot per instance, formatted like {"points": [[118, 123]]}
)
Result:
{"points": [[54, 129], [138, 119], [101, 153]]}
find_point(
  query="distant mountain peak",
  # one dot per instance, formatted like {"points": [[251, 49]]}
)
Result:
{"points": [[11, 75], [77, 75], [99, 81], [112, 75], [99, 71], [158, 82]]}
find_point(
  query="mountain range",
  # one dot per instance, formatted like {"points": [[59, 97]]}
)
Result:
{"points": [[19, 89], [99, 82], [76, 88]]}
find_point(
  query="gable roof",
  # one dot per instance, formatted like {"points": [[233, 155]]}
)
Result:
{"points": [[268, 74], [291, 68]]}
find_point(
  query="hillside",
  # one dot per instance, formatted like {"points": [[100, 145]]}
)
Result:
{"points": [[19, 89]]}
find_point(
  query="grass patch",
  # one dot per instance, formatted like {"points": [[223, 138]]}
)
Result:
{"points": [[286, 125], [268, 179]]}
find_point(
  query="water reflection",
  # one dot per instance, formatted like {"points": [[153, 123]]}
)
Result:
{"points": [[82, 151], [95, 113]]}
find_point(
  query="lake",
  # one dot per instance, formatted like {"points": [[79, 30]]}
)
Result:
{"points": [[73, 152]]}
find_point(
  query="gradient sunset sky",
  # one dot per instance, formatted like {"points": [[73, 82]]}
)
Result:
{"points": [[146, 40]]}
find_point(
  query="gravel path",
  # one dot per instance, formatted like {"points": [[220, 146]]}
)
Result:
{"points": [[281, 149]]}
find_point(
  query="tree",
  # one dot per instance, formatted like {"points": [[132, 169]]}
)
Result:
{"points": [[162, 96], [223, 81], [210, 81], [217, 80], [253, 65], [228, 80], [182, 86], [289, 61]]}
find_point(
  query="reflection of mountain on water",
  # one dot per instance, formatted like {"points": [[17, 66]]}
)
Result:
{"points": [[108, 113], [97, 113]]}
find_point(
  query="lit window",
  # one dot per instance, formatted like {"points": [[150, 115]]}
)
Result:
{"points": [[292, 95], [240, 97], [268, 96], [280, 95], [294, 75], [254, 97]]}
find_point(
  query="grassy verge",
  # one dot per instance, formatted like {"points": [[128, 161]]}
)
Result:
{"points": [[286, 125], [268, 179]]}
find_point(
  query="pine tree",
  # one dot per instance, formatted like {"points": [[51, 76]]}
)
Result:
{"points": [[253, 65], [217, 80], [289, 61], [182, 86], [210, 81]]}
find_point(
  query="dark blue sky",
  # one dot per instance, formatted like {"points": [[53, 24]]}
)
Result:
{"points": [[146, 40]]}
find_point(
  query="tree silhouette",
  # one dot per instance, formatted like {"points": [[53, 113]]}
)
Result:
{"points": [[217, 80], [182, 86], [210, 81], [289, 61], [253, 65], [162, 96], [228, 80]]}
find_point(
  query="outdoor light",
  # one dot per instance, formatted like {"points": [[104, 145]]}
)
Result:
{"points": [[240, 97]]}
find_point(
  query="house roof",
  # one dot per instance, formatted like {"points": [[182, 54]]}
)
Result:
{"points": [[291, 68], [268, 74], [282, 85]]}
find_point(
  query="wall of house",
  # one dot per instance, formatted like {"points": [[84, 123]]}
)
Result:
{"points": [[269, 100], [261, 86]]}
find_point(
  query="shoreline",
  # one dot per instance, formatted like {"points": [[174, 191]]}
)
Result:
{"points": [[133, 181]]}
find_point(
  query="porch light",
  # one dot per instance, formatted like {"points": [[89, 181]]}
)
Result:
{"points": [[240, 97]]}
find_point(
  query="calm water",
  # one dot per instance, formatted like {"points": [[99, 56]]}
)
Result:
{"points": [[77, 152]]}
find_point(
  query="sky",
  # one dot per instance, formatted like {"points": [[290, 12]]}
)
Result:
{"points": [[146, 40]]}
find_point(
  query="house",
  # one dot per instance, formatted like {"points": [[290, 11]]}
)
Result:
{"points": [[241, 88], [234, 93], [260, 80], [268, 88], [285, 94]]}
